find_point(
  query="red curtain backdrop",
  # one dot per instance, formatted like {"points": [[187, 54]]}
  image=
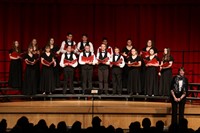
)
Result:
{"points": [[169, 23]]}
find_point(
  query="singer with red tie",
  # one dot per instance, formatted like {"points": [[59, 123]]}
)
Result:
{"points": [[68, 62], [81, 45], [87, 60], [103, 60], [117, 63], [68, 42]]}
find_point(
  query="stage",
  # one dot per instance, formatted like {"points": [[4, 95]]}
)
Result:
{"points": [[117, 113]]}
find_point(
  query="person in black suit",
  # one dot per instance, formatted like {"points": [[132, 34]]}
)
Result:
{"points": [[179, 88]]}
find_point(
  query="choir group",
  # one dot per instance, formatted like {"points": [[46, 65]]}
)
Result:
{"points": [[141, 72]]}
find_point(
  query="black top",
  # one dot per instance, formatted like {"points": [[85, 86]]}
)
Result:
{"points": [[156, 57], [126, 50], [170, 59], [84, 54], [155, 50], [138, 58], [67, 43], [54, 49], [82, 47], [70, 57], [101, 57], [29, 58], [179, 90], [119, 56], [47, 58]]}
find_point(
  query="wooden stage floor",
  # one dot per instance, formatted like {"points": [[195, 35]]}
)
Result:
{"points": [[116, 113]]}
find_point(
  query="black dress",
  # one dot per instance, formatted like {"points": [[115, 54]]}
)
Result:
{"points": [[143, 69], [56, 69], [151, 79], [30, 79], [134, 82], [37, 71], [47, 83], [125, 68], [15, 73], [165, 79]]}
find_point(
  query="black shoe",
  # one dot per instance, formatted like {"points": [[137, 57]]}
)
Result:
{"points": [[100, 92], [83, 92], [72, 92], [106, 92], [119, 93], [64, 91]]}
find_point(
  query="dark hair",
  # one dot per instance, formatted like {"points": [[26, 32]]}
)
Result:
{"points": [[152, 49], [129, 39], [160, 125], [85, 35], [96, 121], [87, 45], [181, 68], [47, 46], [146, 123], [29, 46], [50, 40], [69, 33], [104, 38]]}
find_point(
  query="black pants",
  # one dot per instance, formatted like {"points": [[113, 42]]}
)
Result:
{"points": [[103, 79], [68, 75], [177, 106], [117, 80], [125, 76], [87, 73]]}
